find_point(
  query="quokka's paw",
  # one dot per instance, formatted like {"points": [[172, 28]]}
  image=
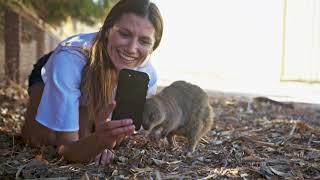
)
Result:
{"points": [[190, 151], [189, 154], [154, 137]]}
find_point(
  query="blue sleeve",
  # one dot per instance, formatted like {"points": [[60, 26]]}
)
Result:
{"points": [[153, 78], [59, 105]]}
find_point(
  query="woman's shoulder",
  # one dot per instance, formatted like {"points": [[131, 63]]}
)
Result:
{"points": [[150, 70], [79, 39], [147, 68], [70, 56], [80, 42]]}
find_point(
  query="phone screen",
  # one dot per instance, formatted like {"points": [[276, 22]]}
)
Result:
{"points": [[131, 96]]}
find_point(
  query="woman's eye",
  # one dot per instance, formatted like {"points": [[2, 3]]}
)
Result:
{"points": [[145, 42], [124, 34]]}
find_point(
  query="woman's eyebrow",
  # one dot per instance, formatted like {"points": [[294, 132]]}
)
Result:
{"points": [[121, 28], [145, 37]]}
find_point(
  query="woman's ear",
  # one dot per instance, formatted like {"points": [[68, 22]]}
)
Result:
{"points": [[107, 33], [108, 29], [149, 56]]}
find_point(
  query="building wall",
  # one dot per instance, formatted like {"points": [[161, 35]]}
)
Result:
{"points": [[31, 42], [50, 42], [301, 53], [28, 57], [28, 50], [1, 58], [1, 46]]}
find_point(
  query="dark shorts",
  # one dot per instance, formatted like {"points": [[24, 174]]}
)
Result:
{"points": [[35, 76]]}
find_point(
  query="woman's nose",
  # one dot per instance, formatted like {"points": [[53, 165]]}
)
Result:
{"points": [[132, 46]]}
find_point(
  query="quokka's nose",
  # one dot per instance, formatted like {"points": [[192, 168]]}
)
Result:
{"points": [[145, 126]]}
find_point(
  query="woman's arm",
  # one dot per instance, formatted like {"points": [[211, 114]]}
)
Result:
{"points": [[84, 149], [107, 134], [87, 148], [85, 125]]}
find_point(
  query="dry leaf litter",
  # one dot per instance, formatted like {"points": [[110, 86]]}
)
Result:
{"points": [[255, 138]]}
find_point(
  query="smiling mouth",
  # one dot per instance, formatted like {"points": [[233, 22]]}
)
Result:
{"points": [[126, 58]]}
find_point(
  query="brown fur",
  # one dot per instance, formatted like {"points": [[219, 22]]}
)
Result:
{"points": [[179, 109]]}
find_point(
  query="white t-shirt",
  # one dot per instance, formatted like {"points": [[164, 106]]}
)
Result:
{"points": [[62, 74]]}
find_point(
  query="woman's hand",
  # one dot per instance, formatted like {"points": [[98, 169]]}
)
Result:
{"points": [[113, 132], [105, 157], [105, 124], [107, 135], [121, 140]]}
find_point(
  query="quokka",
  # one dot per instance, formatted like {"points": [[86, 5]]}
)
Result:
{"points": [[179, 109]]}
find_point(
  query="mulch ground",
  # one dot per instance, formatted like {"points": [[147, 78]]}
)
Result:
{"points": [[254, 139]]}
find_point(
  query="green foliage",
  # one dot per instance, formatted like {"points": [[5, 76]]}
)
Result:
{"points": [[54, 12]]}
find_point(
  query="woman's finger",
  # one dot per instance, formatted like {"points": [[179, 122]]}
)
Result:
{"points": [[97, 159], [107, 126], [125, 130], [107, 157], [113, 136], [105, 115], [109, 109], [120, 139], [103, 159], [111, 156]]}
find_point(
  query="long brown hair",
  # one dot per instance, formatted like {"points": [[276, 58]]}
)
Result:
{"points": [[100, 76]]}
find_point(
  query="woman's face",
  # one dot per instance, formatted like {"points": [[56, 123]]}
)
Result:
{"points": [[130, 41]]}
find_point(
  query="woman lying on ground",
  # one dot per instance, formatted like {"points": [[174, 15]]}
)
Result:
{"points": [[72, 98]]}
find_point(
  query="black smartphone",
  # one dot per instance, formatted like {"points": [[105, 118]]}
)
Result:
{"points": [[131, 96]]}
